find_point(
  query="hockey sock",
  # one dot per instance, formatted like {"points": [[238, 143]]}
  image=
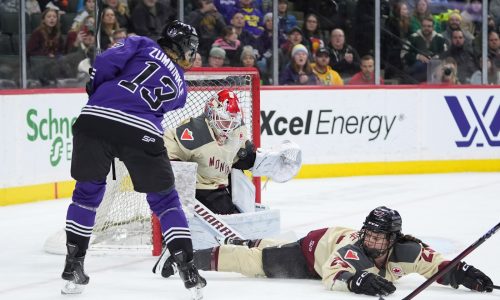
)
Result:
{"points": [[174, 227], [81, 213]]}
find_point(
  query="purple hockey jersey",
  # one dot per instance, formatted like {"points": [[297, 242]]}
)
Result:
{"points": [[135, 84]]}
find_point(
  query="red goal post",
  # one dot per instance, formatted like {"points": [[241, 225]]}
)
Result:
{"points": [[123, 218], [247, 90], [202, 84]]}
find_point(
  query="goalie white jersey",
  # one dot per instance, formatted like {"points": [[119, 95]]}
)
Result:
{"points": [[195, 141]]}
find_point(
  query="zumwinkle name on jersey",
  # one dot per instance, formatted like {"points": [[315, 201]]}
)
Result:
{"points": [[135, 84]]}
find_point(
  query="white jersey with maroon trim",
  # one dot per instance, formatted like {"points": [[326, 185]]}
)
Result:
{"points": [[333, 251], [194, 141], [334, 254]]}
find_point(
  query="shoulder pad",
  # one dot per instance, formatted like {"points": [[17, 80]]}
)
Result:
{"points": [[407, 251], [355, 256], [194, 133]]}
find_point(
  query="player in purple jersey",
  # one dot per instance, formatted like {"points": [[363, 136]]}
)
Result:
{"points": [[132, 85]]}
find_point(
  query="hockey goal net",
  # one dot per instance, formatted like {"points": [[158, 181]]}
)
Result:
{"points": [[124, 220]]}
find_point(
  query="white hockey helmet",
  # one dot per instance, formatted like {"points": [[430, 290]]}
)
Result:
{"points": [[223, 113]]}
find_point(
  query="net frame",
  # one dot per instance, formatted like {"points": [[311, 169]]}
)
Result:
{"points": [[202, 83]]}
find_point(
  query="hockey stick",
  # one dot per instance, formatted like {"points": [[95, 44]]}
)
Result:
{"points": [[452, 263], [496, 287], [213, 221], [98, 18]]}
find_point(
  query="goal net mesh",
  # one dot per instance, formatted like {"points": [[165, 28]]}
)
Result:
{"points": [[123, 220]]}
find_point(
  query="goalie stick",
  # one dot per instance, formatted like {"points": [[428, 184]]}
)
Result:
{"points": [[453, 263], [214, 222], [211, 220]]}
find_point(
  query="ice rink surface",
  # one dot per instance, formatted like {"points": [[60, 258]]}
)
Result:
{"points": [[449, 211]]}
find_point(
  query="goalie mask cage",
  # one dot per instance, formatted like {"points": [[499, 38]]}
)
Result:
{"points": [[124, 220]]}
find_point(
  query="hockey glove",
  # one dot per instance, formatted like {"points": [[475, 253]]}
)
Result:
{"points": [[471, 278], [371, 284]]}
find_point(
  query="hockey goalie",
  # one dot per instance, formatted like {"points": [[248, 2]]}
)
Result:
{"points": [[217, 140], [208, 154]]}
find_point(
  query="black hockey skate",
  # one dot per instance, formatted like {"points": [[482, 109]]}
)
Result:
{"points": [[73, 273], [165, 265], [189, 275]]}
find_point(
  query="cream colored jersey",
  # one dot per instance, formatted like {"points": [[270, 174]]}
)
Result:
{"points": [[332, 251], [194, 141], [334, 254]]}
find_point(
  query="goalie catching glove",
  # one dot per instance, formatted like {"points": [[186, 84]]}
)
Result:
{"points": [[471, 278], [280, 163], [367, 283]]}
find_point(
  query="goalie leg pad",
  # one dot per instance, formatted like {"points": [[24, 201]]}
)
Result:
{"points": [[286, 261], [242, 191]]}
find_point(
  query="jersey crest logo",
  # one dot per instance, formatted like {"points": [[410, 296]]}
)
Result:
{"points": [[187, 135], [397, 271], [351, 255]]}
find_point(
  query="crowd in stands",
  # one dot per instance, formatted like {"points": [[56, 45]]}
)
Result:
{"points": [[323, 42]]}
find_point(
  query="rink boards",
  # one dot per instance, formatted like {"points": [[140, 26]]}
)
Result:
{"points": [[342, 132]]}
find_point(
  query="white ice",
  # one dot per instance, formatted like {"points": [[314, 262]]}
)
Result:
{"points": [[451, 211]]}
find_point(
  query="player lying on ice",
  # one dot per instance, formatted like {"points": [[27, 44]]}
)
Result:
{"points": [[365, 261], [218, 141]]}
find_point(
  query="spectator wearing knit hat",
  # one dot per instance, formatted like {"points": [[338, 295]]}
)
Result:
{"points": [[298, 71], [455, 23], [216, 57], [249, 60]]}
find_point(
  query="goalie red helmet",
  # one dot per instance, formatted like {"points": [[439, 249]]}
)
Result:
{"points": [[223, 113], [380, 231]]}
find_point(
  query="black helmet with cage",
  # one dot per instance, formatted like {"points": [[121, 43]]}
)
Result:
{"points": [[180, 43], [380, 220]]}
